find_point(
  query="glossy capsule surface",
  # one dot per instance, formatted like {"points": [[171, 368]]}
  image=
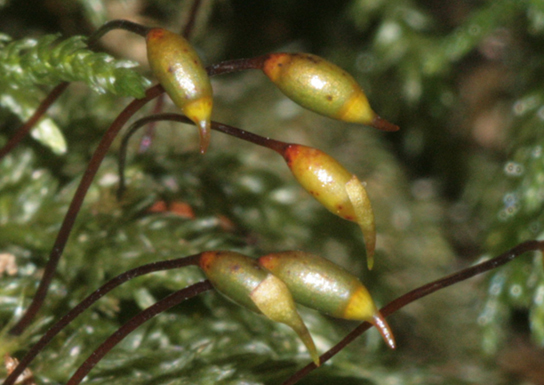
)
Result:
{"points": [[319, 284], [244, 281], [179, 70], [335, 188], [322, 87], [234, 275], [322, 176]]}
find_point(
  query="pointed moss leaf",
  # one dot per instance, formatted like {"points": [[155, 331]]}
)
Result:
{"points": [[29, 62]]}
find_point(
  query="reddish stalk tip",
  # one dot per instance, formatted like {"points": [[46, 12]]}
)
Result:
{"points": [[381, 324], [384, 125]]}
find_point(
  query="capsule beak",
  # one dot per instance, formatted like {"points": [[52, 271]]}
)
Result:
{"points": [[364, 216], [383, 327], [384, 125], [274, 300], [204, 133]]}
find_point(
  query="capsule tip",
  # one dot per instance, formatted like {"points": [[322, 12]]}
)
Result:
{"points": [[384, 125], [370, 260], [383, 327], [204, 134]]}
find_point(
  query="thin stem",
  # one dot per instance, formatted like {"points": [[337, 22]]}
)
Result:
{"points": [[126, 25], [91, 299], [191, 21], [237, 65], [36, 116], [421, 292], [159, 307], [272, 144], [75, 205]]}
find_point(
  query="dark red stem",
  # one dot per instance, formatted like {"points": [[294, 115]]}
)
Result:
{"points": [[92, 298], [75, 205], [36, 116], [237, 65], [272, 144], [126, 25], [190, 26], [161, 306], [421, 292]]}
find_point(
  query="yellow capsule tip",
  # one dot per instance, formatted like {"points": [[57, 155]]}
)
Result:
{"points": [[316, 359], [364, 216], [384, 125], [383, 327], [370, 260]]}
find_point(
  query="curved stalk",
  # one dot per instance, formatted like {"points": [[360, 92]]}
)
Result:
{"points": [[91, 299], [421, 292], [159, 307], [75, 205]]}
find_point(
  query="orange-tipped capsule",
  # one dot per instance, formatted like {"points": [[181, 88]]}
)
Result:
{"points": [[244, 281], [335, 188], [178, 68], [322, 87], [319, 284]]}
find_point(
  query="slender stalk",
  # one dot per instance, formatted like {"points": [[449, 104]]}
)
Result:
{"points": [[237, 65], [36, 116], [272, 144], [418, 293], [91, 299], [190, 26], [159, 307], [126, 25], [75, 205]]}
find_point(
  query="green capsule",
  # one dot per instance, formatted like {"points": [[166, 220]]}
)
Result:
{"points": [[335, 188], [178, 68], [244, 281], [319, 284], [322, 87]]}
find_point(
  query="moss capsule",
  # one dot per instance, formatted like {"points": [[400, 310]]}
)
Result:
{"points": [[179, 70], [322, 87], [335, 188], [244, 281], [319, 284]]}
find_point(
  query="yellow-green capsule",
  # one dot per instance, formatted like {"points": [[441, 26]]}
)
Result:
{"points": [[319, 284], [178, 68], [245, 282], [322, 87], [335, 188]]}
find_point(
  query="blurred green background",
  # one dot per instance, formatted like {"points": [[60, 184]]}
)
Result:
{"points": [[462, 180]]}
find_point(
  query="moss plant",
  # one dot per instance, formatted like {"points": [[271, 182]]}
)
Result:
{"points": [[459, 182]]}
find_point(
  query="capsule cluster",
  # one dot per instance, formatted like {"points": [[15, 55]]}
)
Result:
{"points": [[310, 81], [272, 284]]}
